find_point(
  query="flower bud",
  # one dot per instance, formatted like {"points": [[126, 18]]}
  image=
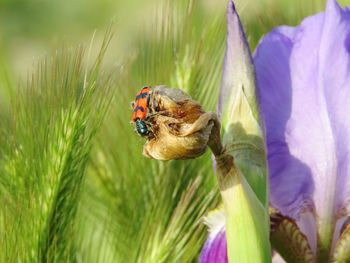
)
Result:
{"points": [[180, 129]]}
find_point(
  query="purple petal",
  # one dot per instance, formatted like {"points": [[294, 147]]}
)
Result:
{"points": [[290, 179], [334, 73], [304, 92], [215, 248]]}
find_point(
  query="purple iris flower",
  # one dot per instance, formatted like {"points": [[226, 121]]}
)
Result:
{"points": [[303, 89]]}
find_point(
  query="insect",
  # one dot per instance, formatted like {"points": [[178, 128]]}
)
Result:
{"points": [[139, 114]]}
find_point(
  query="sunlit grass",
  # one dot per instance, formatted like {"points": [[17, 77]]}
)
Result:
{"points": [[44, 157]]}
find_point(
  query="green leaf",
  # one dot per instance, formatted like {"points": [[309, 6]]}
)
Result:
{"points": [[247, 223], [242, 169]]}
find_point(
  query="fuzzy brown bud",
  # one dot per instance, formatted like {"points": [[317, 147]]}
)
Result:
{"points": [[181, 129]]}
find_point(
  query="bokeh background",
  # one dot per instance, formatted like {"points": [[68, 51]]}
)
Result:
{"points": [[130, 209], [31, 28]]}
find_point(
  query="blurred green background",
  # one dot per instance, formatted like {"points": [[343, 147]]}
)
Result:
{"points": [[31, 28], [127, 208]]}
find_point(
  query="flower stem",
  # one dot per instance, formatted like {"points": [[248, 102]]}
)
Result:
{"points": [[247, 222]]}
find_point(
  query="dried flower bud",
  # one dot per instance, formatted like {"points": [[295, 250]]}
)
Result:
{"points": [[180, 128]]}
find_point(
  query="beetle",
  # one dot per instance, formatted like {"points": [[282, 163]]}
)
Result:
{"points": [[141, 127], [139, 114]]}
